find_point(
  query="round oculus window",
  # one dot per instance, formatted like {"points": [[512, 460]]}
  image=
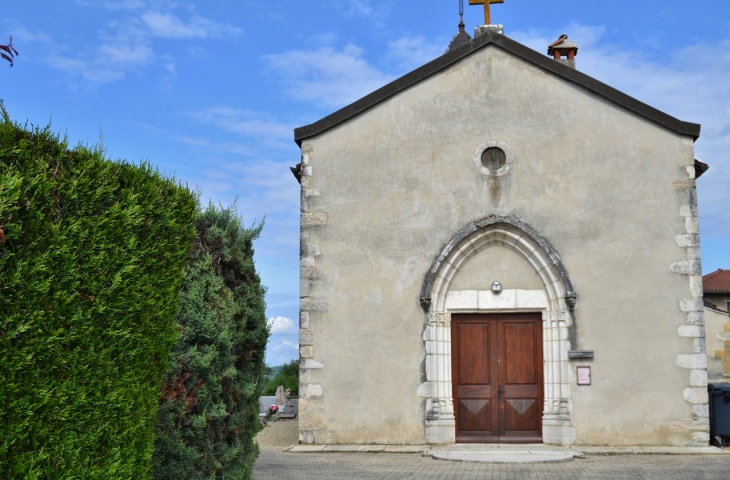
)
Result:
{"points": [[493, 158]]}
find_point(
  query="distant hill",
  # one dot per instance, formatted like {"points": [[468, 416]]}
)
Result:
{"points": [[274, 372]]}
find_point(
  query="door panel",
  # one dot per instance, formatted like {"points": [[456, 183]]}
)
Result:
{"points": [[475, 414], [519, 347], [475, 398], [474, 354], [497, 377], [521, 417], [520, 361]]}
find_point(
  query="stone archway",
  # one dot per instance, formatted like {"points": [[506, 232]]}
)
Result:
{"points": [[557, 315]]}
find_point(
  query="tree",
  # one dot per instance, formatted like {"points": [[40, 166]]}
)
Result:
{"points": [[288, 376], [209, 405], [91, 260]]}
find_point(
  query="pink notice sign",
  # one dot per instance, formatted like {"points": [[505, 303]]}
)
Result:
{"points": [[584, 375]]}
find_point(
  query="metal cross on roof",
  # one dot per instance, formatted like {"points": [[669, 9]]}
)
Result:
{"points": [[486, 3]]}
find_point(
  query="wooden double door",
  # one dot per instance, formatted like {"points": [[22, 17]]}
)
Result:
{"points": [[497, 377]]}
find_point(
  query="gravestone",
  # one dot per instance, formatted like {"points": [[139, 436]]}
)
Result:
{"points": [[280, 396]]}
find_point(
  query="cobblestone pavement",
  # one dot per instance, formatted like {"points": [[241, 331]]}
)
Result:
{"points": [[277, 465]]}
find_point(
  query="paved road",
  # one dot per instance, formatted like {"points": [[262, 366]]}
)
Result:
{"points": [[276, 465]]}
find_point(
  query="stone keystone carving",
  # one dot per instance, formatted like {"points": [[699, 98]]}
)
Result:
{"points": [[425, 303]]}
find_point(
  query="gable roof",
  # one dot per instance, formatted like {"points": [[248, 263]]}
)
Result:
{"points": [[717, 282], [493, 38]]}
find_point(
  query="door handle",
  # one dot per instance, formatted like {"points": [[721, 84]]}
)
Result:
{"points": [[500, 390]]}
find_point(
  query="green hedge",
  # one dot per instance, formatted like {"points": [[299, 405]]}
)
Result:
{"points": [[209, 408], [90, 272]]}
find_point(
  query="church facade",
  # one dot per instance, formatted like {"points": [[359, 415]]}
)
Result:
{"points": [[498, 248]]}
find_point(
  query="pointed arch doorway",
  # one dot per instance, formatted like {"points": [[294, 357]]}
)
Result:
{"points": [[497, 377], [554, 308]]}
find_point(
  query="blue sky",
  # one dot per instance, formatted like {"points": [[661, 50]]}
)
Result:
{"points": [[210, 91]]}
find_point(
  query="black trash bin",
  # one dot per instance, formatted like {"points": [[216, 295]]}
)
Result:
{"points": [[720, 412]]}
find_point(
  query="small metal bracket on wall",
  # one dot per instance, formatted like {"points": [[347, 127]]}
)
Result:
{"points": [[580, 354]]}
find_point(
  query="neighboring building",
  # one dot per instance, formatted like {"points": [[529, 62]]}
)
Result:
{"points": [[717, 328], [717, 289], [474, 233], [716, 286]]}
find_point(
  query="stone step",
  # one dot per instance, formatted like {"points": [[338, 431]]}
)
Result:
{"points": [[504, 457], [504, 453]]}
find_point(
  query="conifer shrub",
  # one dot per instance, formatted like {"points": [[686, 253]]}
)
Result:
{"points": [[209, 405], [91, 260]]}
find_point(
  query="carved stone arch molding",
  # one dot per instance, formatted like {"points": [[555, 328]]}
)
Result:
{"points": [[557, 315]]}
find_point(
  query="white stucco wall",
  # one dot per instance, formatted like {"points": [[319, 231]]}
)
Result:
{"points": [[388, 188]]}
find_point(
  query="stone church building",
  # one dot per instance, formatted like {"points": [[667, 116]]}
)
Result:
{"points": [[498, 248]]}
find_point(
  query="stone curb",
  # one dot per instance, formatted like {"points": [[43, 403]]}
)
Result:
{"points": [[608, 451], [358, 449], [504, 458], [426, 450]]}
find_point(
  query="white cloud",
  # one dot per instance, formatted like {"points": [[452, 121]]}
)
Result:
{"points": [[267, 188], [21, 34], [375, 11], [245, 122], [90, 71], [286, 346], [126, 54], [112, 4], [410, 53], [167, 25], [128, 43], [333, 78], [327, 76], [263, 186], [197, 51], [123, 48], [237, 148], [281, 352], [360, 8], [282, 326], [170, 67]]}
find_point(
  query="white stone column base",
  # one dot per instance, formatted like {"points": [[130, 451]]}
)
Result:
{"points": [[556, 432], [441, 432]]}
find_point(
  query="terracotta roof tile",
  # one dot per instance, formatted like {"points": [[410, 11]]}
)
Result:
{"points": [[717, 282]]}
